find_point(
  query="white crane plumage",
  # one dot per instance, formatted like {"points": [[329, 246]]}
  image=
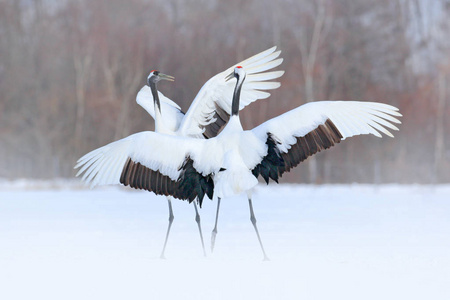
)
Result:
{"points": [[231, 162], [210, 109]]}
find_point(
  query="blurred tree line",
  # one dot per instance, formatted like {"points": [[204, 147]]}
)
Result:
{"points": [[70, 72]]}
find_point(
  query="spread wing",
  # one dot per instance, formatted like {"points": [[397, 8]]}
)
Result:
{"points": [[306, 130], [211, 108], [150, 161]]}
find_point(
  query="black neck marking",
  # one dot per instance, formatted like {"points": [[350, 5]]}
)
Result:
{"points": [[155, 95], [236, 96]]}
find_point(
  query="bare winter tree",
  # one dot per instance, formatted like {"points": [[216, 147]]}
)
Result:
{"points": [[70, 72], [308, 44]]}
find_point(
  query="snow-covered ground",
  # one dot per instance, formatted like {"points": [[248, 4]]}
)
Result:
{"points": [[325, 242]]}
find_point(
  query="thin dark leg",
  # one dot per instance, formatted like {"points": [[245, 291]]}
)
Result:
{"points": [[253, 219], [214, 232], [197, 219], [168, 228]]}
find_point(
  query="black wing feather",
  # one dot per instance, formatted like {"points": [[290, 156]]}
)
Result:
{"points": [[189, 185], [213, 129], [275, 163]]}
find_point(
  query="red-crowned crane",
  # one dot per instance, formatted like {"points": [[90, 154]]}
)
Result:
{"points": [[230, 163], [209, 111]]}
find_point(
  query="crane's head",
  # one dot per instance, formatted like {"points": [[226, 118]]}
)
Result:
{"points": [[156, 76], [238, 72]]}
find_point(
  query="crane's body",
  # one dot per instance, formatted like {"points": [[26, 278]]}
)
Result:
{"points": [[189, 168], [211, 108], [208, 113]]}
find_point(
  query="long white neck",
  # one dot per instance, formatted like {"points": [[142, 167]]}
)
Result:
{"points": [[233, 126], [235, 123], [159, 125]]}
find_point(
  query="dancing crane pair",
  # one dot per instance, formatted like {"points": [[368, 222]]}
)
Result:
{"points": [[207, 152]]}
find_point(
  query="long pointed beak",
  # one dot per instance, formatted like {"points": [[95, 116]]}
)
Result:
{"points": [[166, 77], [229, 76]]}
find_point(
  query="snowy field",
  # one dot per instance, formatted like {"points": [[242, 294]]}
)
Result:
{"points": [[324, 242]]}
